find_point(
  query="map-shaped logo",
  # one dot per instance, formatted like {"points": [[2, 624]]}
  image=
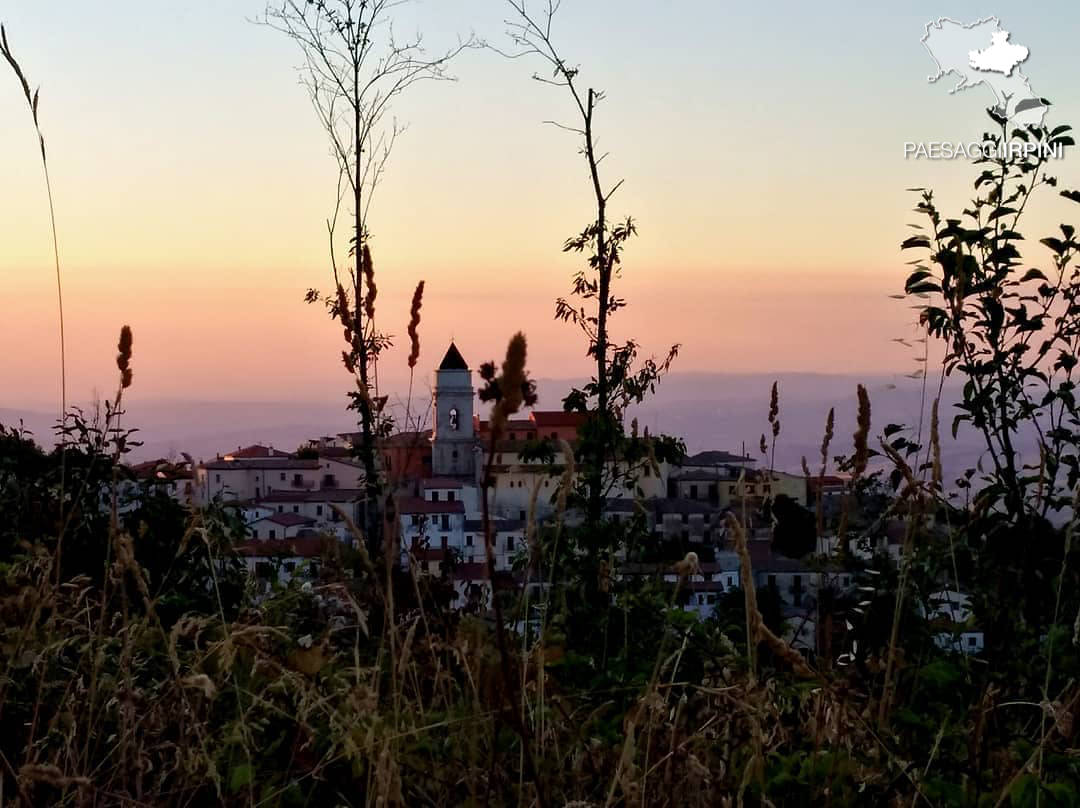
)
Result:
{"points": [[981, 53]]}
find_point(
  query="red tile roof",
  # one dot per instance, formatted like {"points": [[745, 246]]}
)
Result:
{"points": [[255, 450], [513, 425], [557, 418]]}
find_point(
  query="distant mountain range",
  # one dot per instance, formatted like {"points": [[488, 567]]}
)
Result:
{"points": [[708, 410]]}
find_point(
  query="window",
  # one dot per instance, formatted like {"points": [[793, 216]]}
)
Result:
{"points": [[454, 454], [453, 418], [298, 479], [731, 489], [509, 543], [445, 521], [283, 476], [281, 509], [772, 582], [271, 534], [318, 510], [521, 515], [296, 509], [693, 492], [450, 496], [434, 496], [217, 478], [290, 566], [254, 533], [416, 518], [700, 599], [469, 541], [971, 642], [711, 598], [444, 541], [263, 569], [686, 518]]}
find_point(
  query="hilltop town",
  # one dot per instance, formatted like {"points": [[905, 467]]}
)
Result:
{"points": [[293, 503]]}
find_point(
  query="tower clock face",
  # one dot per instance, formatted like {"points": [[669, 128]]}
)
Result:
{"points": [[453, 418]]}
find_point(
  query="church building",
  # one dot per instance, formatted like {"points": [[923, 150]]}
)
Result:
{"points": [[453, 441]]}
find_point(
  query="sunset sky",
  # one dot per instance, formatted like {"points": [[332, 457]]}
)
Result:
{"points": [[761, 144]]}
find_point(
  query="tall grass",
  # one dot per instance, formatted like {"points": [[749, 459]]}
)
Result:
{"points": [[32, 99]]}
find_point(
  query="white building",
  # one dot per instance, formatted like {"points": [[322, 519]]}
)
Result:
{"points": [[243, 479]]}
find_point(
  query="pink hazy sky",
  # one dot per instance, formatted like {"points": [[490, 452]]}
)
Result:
{"points": [[192, 184]]}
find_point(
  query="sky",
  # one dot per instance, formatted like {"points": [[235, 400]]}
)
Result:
{"points": [[761, 147]]}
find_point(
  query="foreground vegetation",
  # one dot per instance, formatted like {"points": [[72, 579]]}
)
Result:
{"points": [[139, 666]]}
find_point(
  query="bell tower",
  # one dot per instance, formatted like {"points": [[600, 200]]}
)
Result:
{"points": [[453, 438]]}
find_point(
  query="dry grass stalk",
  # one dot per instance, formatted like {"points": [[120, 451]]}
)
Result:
{"points": [[862, 434], [32, 99], [757, 631], [414, 323], [371, 290], [935, 445], [123, 357]]}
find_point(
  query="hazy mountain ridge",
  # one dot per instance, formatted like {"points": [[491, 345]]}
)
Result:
{"points": [[708, 410]]}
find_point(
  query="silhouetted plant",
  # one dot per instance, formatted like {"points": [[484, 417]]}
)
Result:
{"points": [[619, 380], [355, 68]]}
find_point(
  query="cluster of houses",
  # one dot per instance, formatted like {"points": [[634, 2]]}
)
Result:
{"points": [[293, 503]]}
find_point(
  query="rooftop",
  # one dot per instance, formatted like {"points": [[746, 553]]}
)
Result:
{"points": [[253, 451], [286, 519], [322, 495], [453, 359], [442, 482], [262, 463], [408, 439], [557, 418], [716, 458], [416, 505]]}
